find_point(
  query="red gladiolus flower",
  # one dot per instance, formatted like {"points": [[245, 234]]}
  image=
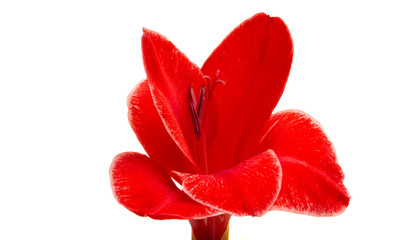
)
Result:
{"points": [[212, 130]]}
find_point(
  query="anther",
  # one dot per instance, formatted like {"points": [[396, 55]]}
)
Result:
{"points": [[197, 110], [192, 97], [202, 93], [195, 120]]}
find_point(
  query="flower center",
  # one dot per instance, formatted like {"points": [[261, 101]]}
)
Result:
{"points": [[196, 108]]}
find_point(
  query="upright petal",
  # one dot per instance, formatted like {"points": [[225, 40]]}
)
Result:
{"points": [[170, 75], [249, 188], [147, 190], [254, 60], [312, 180], [151, 132]]}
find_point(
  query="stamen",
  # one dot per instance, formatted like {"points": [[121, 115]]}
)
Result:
{"points": [[202, 93], [217, 74], [195, 120], [197, 110], [207, 78], [192, 97]]}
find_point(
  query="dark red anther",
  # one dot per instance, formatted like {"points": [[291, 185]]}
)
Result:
{"points": [[197, 110], [201, 101], [195, 119]]}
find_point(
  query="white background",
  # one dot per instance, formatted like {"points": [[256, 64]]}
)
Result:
{"points": [[66, 68]]}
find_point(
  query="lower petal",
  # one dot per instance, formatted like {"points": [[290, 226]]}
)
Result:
{"points": [[312, 179], [249, 188], [147, 190], [307, 190]]}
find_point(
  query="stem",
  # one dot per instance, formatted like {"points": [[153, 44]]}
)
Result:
{"points": [[211, 228]]}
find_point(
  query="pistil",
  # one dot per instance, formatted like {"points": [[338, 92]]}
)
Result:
{"points": [[215, 82]]}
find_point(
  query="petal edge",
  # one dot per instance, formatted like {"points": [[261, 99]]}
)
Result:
{"points": [[147, 190], [249, 188], [312, 181], [254, 60]]}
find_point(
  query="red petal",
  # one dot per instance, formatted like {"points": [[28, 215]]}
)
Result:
{"points": [[151, 132], [249, 188], [314, 193], [312, 179], [255, 61], [170, 75], [147, 190]]}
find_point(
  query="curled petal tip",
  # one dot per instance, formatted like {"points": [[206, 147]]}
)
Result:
{"points": [[149, 33], [145, 30]]}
